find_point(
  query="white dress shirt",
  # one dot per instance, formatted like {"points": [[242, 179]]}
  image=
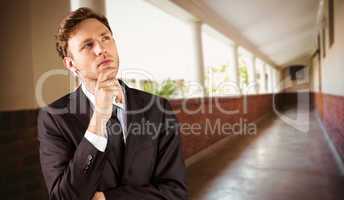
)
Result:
{"points": [[98, 141]]}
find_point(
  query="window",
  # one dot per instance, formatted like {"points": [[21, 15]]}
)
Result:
{"points": [[247, 72], [151, 43], [216, 53]]}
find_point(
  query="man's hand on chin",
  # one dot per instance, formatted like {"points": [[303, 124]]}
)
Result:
{"points": [[99, 196]]}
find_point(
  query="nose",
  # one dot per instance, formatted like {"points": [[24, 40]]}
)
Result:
{"points": [[99, 48]]}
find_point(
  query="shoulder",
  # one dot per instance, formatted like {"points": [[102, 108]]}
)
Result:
{"points": [[58, 116], [61, 105], [145, 98]]}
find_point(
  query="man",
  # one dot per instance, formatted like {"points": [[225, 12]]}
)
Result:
{"points": [[94, 142]]}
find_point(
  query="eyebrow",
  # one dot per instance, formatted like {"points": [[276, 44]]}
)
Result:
{"points": [[105, 33], [89, 39], [85, 41]]}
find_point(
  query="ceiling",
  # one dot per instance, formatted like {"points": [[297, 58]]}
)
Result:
{"points": [[282, 30]]}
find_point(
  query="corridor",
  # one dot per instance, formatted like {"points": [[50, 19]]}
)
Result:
{"points": [[223, 65], [280, 162]]}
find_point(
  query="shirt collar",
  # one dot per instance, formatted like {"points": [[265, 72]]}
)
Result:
{"points": [[92, 98]]}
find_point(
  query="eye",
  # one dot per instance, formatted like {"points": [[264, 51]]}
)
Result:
{"points": [[88, 45], [106, 37]]}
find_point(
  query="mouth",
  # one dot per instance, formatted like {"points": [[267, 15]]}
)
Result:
{"points": [[104, 62]]}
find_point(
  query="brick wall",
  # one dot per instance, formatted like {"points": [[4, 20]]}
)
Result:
{"points": [[216, 110], [20, 169], [331, 112]]}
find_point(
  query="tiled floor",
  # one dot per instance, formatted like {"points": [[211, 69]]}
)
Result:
{"points": [[280, 162]]}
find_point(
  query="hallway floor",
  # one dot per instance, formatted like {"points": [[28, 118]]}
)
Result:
{"points": [[279, 162]]}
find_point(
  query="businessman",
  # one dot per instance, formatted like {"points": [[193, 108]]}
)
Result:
{"points": [[94, 142]]}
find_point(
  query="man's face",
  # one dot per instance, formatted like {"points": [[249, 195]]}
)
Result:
{"points": [[91, 46]]}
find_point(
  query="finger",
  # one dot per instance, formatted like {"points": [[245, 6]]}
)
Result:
{"points": [[113, 82], [111, 85], [113, 89], [100, 76], [107, 83]]}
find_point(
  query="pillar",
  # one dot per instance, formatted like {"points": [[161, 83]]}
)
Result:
{"points": [[199, 69], [234, 68]]}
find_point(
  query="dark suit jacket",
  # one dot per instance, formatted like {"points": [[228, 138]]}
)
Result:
{"points": [[74, 169]]}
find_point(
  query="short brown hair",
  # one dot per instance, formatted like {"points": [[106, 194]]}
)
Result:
{"points": [[68, 24]]}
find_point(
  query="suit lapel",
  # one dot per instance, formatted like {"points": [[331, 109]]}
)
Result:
{"points": [[136, 138]]}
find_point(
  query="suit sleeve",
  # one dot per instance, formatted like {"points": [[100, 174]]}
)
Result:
{"points": [[70, 172], [168, 180]]}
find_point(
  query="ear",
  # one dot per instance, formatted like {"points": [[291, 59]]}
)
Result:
{"points": [[69, 64]]}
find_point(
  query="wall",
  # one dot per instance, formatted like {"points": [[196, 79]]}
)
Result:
{"points": [[45, 18], [28, 50], [333, 63], [329, 96], [257, 106], [16, 77]]}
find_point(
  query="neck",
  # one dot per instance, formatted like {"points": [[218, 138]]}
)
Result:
{"points": [[90, 86]]}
